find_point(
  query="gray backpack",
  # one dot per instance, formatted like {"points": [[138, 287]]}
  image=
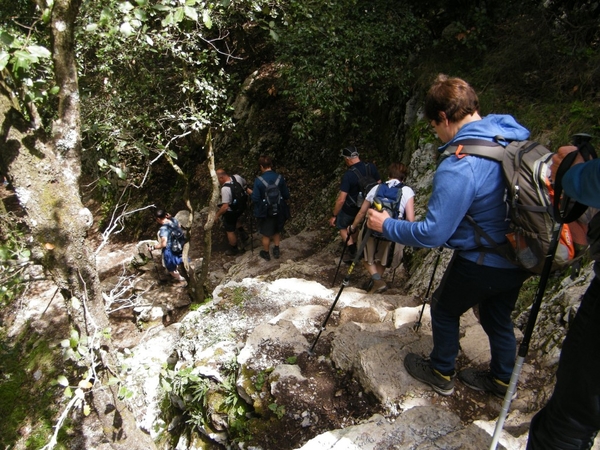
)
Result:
{"points": [[529, 196], [272, 197]]}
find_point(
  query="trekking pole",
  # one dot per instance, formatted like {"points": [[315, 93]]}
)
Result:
{"points": [[437, 261], [357, 257], [250, 220], [524, 346], [584, 147], [155, 266], [341, 257]]}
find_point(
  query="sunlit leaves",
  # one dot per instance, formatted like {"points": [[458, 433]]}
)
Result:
{"points": [[190, 13], [4, 57], [206, 19], [126, 29]]}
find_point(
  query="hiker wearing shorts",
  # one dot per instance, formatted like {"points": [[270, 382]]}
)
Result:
{"points": [[381, 253], [571, 418], [231, 215], [170, 260], [269, 227], [474, 186], [345, 208]]}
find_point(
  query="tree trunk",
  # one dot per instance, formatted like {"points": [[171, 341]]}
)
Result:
{"points": [[212, 208], [45, 174]]}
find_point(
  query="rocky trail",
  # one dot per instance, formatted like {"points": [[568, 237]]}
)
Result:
{"points": [[351, 393], [249, 346]]}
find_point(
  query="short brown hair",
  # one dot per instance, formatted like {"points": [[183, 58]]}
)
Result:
{"points": [[265, 161], [452, 96], [398, 171]]}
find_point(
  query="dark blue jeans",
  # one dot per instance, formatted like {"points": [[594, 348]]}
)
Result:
{"points": [[571, 418], [464, 285]]}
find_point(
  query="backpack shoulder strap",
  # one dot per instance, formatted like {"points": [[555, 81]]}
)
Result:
{"points": [[358, 173], [277, 180], [233, 184], [263, 181], [478, 147]]}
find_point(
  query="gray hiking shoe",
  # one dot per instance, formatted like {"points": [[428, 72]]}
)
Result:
{"points": [[420, 368], [483, 380]]}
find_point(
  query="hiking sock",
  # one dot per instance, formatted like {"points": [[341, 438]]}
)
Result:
{"points": [[352, 250]]}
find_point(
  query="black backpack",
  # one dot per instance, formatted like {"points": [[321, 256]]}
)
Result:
{"points": [[239, 197], [272, 197], [389, 198], [365, 183], [177, 237]]}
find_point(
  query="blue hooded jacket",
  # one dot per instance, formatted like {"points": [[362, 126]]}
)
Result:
{"points": [[470, 185]]}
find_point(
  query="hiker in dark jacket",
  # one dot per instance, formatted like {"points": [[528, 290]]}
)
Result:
{"points": [[269, 227], [346, 208], [571, 418], [170, 260], [464, 185]]}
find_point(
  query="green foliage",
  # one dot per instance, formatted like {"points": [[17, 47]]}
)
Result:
{"points": [[339, 55], [28, 363], [195, 392], [259, 380], [14, 259], [278, 410]]}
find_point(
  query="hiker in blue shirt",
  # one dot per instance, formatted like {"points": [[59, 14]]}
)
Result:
{"points": [[571, 418], [464, 185], [269, 227], [170, 260]]}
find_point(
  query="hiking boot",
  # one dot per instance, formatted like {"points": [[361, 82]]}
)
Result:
{"points": [[420, 368], [368, 285], [231, 251], [483, 380], [276, 252], [379, 287], [265, 255]]}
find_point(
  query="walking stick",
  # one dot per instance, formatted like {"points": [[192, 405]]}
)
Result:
{"points": [[437, 261], [250, 220], [524, 347], [341, 257], [576, 209], [378, 206], [357, 257]]}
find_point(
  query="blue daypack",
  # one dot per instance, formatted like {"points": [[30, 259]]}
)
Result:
{"points": [[389, 198]]}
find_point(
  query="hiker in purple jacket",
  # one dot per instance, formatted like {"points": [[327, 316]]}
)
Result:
{"points": [[464, 185], [571, 418]]}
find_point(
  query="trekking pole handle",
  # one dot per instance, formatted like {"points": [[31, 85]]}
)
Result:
{"points": [[377, 205]]}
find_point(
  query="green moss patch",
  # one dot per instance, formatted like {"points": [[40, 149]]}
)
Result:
{"points": [[28, 397]]}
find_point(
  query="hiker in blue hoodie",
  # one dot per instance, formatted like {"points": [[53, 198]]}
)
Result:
{"points": [[464, 185], [571, 418]]}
